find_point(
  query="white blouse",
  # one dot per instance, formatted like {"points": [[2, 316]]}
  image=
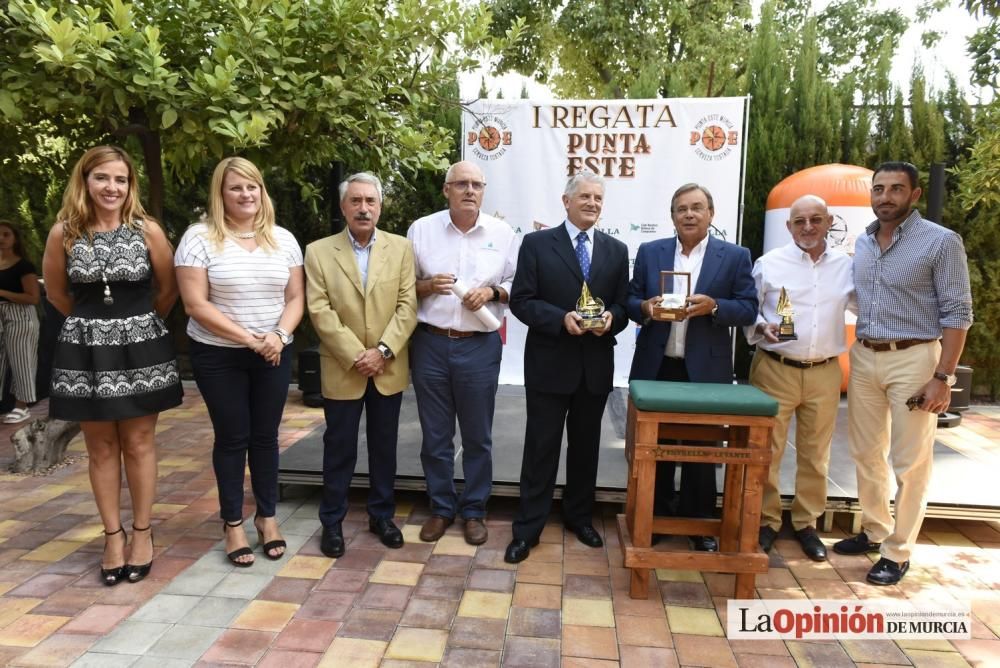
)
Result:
{"points": [[248, 287]]}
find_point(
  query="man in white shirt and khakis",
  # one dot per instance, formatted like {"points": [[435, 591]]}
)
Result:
{"points": [[801, 374]]}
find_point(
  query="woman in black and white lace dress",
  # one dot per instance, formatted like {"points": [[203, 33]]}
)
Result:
{"points": [[108, 267]]}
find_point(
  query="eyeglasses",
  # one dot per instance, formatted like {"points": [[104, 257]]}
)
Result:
{"points": [[697, 208], [475, 186]]}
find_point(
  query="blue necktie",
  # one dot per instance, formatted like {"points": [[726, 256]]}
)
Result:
{"points": [[581, 255]]}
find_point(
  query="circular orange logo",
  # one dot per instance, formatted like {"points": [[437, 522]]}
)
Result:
{"points": [[713, 138], [489, 138]]}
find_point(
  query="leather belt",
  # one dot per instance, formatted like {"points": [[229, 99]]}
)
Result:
{"points": [[450, 333], [798, 364], [901, 344]]}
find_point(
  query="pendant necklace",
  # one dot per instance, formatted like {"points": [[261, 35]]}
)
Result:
{"points": [[108, 299]]}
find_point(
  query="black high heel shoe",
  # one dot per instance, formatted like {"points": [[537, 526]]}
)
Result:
{"points": [[240, 551], [271, 544], [112, 576], [138, 572]]}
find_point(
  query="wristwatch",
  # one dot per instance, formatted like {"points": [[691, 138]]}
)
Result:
{"points": [[283, 336], [947, 379], [496, 295], [715, 309], [385, 350]]}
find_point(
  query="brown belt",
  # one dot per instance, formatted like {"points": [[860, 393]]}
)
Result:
{"points": [[902, 344], [450, 333], [798, 364]]}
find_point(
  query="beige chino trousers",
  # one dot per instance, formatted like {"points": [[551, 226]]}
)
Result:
{"points": [[883, 432], [813, 397]]}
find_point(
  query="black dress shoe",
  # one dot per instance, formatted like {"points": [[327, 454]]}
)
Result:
{"points": [[332, 542], [856, 545], [887, 572], [704, 543], [766, 537], [811, 544], [387, 532], [518, 551], [587, 535]]}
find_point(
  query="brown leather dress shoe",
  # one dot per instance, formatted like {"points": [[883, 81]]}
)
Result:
{"points": [[475, 531], [435, 527]]}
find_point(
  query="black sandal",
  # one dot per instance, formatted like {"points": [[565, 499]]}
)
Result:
{"points": [[271, 544], [239, 552], [112, 576], [138, 572]]}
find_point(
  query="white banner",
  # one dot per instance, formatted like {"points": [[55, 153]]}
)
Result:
{"points": [[644, 149]]}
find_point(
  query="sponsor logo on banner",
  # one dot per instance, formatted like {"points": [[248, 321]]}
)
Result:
{"points": [[716, 232], [888, 619], [714, 137], [644, 228], [489, 137]]}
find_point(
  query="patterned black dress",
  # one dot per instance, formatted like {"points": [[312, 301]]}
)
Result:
{"points": [[112, 361]]}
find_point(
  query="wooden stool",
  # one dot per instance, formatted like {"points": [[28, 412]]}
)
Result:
{"points": [[739, 414]]}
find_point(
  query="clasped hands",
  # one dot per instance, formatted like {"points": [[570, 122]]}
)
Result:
{"points": [[370, 362], [697, 305], [268, 346]]}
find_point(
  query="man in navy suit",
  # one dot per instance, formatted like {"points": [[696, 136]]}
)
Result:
{"points": [[567, 370], [698, 348]]}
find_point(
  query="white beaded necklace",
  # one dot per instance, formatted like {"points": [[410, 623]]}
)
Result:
{"points": [[244, 235]]}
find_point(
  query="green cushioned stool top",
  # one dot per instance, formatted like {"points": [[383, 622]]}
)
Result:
{"points": [[662, 396]]}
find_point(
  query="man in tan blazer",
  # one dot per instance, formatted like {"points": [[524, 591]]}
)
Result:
{"points": [[362, 299]]}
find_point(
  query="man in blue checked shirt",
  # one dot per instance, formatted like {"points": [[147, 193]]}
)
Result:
{"points": [[914, 309]]}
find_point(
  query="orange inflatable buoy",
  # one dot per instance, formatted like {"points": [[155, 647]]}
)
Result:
{"points": [[847, 192]]}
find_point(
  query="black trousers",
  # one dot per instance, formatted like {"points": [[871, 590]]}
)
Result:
{"points": [[698, 488], [245, 396], [582, 413], [340, 453]]}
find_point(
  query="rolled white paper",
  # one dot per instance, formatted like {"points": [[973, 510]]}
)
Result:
{"points": [[484, 314]]}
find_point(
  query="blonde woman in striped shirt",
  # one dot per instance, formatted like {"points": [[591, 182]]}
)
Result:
{"points": [[243, 286]]}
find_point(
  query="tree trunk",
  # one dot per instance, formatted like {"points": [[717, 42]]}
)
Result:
{"points": [[41, 444], [152, 154]]}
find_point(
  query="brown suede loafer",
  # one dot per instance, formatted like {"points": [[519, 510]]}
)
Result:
{"points": [[434, 528], [475, 531]]}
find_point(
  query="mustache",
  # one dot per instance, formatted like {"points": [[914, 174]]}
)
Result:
{"points": [[362, 215]]}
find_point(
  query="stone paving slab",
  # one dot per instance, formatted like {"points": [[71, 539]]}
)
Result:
{"points": [[446, 604]]}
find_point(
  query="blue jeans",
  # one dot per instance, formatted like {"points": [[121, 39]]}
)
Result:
{"points": [[245, 397], [340, 453], [456, 377]]}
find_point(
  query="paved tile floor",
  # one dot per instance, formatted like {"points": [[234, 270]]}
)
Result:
{"points": [[446, 603]]}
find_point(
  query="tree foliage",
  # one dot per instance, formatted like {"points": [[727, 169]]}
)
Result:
{"points": [[291, 84], [979, 197], [604, 48]]}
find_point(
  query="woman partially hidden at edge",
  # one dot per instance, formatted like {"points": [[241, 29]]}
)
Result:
{"points": [[19, 294], [107, 266], [243, 285]]}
